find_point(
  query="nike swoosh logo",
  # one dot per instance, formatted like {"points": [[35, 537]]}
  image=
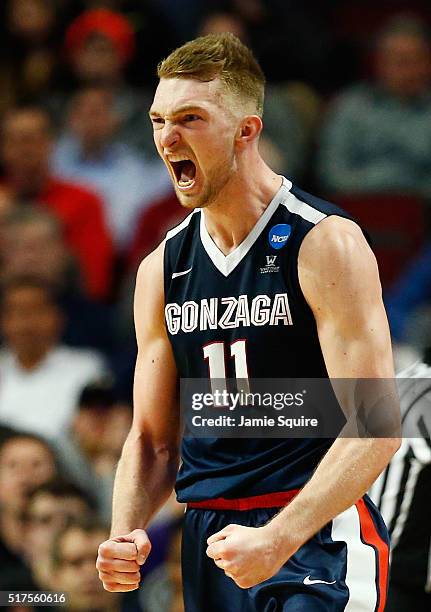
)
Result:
{"points": [[176, 274], [307, 580]]}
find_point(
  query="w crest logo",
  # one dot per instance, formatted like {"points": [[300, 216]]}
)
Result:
{"points": [[270, 260]]}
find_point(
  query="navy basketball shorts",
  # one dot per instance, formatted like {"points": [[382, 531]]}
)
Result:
{"points": [[344, 567]]}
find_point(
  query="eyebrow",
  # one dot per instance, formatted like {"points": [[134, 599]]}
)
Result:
{"points": [[179, 110]]}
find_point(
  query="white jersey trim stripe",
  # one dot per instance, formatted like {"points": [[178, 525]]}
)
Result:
{"points": [[304, 210], [177, 229], [361, 562], [227, 263]]}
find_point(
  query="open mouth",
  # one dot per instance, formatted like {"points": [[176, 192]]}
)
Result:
{"points": [[185, 172]]}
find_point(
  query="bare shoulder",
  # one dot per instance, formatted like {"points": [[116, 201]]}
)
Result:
{"points": [[149, 292], [334, 246], [337, 266], [151, 267]]}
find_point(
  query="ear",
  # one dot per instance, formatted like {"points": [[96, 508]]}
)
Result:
{"points": [[249, 130]]}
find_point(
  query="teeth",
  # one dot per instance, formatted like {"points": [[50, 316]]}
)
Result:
{"points": [[177, 158]]}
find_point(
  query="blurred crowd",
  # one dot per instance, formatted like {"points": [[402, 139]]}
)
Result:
{"points": [[83, 198]]}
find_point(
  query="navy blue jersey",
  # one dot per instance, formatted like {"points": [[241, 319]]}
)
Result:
{"points": [[244, 315]]}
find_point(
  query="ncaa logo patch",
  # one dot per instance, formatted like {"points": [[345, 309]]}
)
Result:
{"points": [[279, 235]]}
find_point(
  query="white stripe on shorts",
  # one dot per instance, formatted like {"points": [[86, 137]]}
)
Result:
{"points": [[361, 562]]}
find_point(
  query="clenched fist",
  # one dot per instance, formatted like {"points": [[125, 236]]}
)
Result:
{"points": [[120, 558]]}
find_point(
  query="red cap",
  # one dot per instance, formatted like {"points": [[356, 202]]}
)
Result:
{"points": [[106, 22]]}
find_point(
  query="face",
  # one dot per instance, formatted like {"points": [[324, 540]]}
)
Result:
{"points": [[26, 144], [33, 248], [76, 573], [30, 323], [194, 132], [97, 61], [93, 119], [31, 19], [404, 65], [24, 464], [46, 515]]}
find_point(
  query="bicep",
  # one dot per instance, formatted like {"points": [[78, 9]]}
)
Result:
{"points": [[343, 289]]}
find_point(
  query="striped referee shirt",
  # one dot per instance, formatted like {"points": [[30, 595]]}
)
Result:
{"points": [[403, 490]]}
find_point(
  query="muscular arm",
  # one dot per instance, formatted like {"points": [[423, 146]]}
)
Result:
{"points": [[339, 278], [149, 461]]}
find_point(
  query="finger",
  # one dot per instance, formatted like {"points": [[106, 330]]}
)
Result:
{"points": [[216, 550], [143, 545], [114, 587], [116, 565], [221, 563], [112, 549], [220, 535], [120, 577]]}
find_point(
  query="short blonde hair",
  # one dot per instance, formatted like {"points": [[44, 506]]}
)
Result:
{"points": [[221, 56]]}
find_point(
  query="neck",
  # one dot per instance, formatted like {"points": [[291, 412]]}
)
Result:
{"points": [[29, 361], [231, 217], [28, 184]]}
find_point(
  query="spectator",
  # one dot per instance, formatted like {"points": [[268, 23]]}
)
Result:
{"points": [[92, 153], [73, 557], [91, 448], [30, 49], [50, 507], [31, 242], [26, 461], [377, 136], [25, 151], [41, 379], [99, 44]]}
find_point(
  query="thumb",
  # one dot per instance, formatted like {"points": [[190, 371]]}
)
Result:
{"points": [[143, 545]]}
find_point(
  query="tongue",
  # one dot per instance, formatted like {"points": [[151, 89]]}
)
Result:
{"points": [[188, 171]]}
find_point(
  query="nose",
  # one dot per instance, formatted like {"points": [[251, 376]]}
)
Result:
{"points": [[169, 136]]}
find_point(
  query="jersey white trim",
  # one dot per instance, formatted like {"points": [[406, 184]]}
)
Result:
{"points": [[304, 210], [227, 263], [361, 562], [177, 229]]}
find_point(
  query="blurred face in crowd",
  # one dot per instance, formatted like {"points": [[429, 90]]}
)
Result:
{"points": [[33, 247], [46, 514], [93, 119], [30, 323], [404, 64], [31, 19], [97, 61], [25, 148], [76, 572], [24, 464], [102, 429]]}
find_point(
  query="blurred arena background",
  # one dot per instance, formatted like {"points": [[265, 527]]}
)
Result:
{"points": [[83, 198]]}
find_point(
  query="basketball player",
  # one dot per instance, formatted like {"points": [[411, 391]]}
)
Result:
{"points": [[270, 524]]}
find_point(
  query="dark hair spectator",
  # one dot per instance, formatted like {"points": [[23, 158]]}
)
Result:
{"points": [[41, 378], [50, 507], [93, 152], [74, 553], [376, 136], [26, 142]]}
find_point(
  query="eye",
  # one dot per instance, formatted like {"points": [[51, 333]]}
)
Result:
{"points": [[191, 117], [159, 121]]}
